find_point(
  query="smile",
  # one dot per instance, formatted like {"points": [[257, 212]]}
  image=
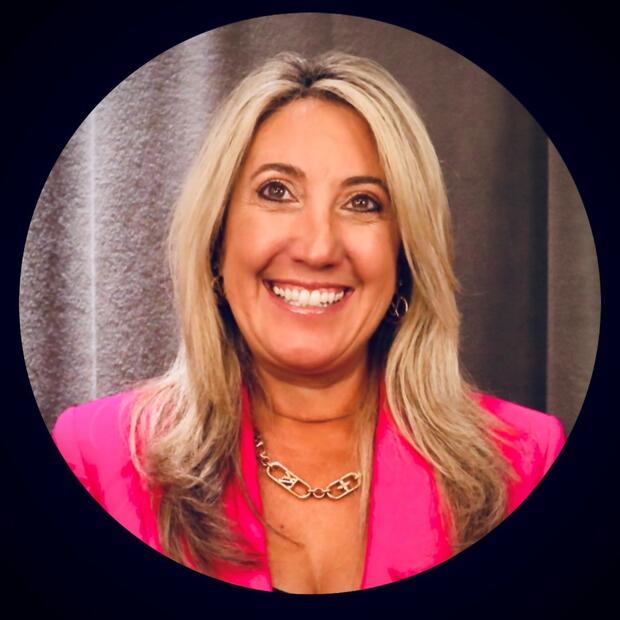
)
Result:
{"points": [[301, 297]]}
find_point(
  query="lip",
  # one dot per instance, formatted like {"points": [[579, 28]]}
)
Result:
{"points": [[310, 285], [309, 310]]}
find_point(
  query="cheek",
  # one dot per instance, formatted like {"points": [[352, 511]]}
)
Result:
{"points": [[249, 245], [375, 258]]}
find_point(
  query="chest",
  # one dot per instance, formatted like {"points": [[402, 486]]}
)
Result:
{"points": [[314, 545]]}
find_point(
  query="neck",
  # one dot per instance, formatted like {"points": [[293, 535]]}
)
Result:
{"points": [[304, 416]]}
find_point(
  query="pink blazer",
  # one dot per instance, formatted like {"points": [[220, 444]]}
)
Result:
{"points": [[405, 532]]}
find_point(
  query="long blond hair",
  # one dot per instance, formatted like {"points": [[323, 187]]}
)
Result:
{"points": [[185, 425]]}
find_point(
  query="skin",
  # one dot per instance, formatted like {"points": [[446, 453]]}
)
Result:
{"points": [[310, 207]]}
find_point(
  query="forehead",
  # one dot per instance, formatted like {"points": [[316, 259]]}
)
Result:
{"points": [[315, 133]]}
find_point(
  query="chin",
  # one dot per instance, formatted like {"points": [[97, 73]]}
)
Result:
{"points": [[306, 361]]}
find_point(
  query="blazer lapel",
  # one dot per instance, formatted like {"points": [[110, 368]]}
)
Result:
{"points": [[405, 532], [242, 516]]}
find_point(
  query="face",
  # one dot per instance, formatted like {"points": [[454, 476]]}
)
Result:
{"points": [[310, 246]]}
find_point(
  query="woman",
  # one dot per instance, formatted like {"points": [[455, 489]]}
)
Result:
{"points": [[314, 433]]}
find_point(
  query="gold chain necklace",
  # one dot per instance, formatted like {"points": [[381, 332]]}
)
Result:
{"points": [[300, 488]]}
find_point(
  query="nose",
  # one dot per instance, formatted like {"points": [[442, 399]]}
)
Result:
{"points": [[318, 239]]}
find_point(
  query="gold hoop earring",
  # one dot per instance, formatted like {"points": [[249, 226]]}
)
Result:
{"points": [[398, 308], [217, 285]]}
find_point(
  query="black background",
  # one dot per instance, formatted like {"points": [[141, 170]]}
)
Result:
{"points": [[64, 557]]}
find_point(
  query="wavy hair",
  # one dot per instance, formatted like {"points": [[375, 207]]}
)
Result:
{"points": [[185, 425]]}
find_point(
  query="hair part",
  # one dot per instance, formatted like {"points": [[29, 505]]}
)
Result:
{"points": [[185, 424]]}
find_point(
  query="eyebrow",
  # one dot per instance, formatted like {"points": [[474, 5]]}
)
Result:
{"points": [[278, 167], [298, 173], [360, 180]]}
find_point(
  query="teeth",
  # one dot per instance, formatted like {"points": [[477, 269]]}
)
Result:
{"points": [[304, 297]]}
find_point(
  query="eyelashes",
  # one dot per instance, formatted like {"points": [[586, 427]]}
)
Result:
{"points": [[276, 191], [362, 202], [365, 203]]}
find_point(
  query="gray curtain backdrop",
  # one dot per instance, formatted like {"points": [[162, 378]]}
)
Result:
{"points": [[95, 303]]}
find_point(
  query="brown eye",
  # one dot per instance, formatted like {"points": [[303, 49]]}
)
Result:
{"points": [[274, 190], [365, 203]]}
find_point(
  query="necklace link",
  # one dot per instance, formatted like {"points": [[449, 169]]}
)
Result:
{"points": [[298, 487], [343, 486]]}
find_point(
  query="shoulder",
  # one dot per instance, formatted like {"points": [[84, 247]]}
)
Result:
{"points": [[101, 422], [545, 429], [93, 438], [531, 444]]}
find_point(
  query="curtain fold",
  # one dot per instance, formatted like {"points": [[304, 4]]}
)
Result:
{"points": [[573, 295]]}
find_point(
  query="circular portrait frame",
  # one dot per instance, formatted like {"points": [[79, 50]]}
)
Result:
{"points": [[145, 195]]}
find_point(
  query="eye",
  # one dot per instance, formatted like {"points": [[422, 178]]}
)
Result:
{"points": [[275, 190], [365, 204]]}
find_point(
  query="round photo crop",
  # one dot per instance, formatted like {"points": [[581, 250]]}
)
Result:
{"points": [[296, 304]]}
